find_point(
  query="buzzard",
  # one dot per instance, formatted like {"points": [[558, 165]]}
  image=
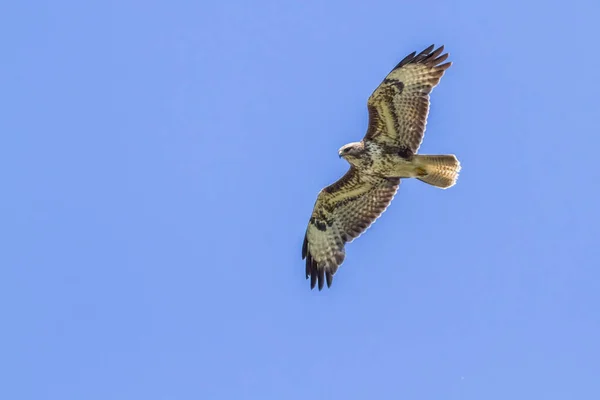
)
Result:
{"points": [[398, 111]]}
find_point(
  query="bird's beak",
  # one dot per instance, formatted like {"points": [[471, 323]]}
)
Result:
{"points": [[339, 154]]}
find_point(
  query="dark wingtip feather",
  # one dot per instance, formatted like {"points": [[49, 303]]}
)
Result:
{"points": [[427, 50], [445, 66], [313, 272], [329, 277], [308, 265], [321, 278], [406, 60], [318, 276], [426, 57], [304, 246]]}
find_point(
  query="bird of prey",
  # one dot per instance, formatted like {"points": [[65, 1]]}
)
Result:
{"points": [[398, 110]]}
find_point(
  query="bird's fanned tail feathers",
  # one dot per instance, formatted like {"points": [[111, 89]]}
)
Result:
{"points": [[439, 170]]}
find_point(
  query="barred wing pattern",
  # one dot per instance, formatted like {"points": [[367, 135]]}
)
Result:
{"points": [[399, 107], [342, 212]]}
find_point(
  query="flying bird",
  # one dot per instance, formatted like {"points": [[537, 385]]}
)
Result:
{"points": [[398, 110]]}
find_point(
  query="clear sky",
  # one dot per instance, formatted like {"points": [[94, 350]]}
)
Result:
{"points": [[160, 161]]}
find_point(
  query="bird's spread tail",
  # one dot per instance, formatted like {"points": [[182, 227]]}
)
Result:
{"points": [[438, 170]]}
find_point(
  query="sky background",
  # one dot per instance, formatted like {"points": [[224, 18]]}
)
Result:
{"points": [[160, 160]]}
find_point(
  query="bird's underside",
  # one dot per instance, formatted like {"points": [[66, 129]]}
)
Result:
{"points": [[388, 161], [398, 110]]}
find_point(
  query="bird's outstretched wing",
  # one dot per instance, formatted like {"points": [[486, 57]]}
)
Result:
{"points": [[399, 107], [342, 212]]}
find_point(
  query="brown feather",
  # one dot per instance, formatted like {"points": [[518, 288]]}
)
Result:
{"points": [[398, 110], [399, 107], [345, 210]]}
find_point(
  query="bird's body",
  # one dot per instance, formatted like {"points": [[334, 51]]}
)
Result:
{"points": [[398, 111], [387, 161]]}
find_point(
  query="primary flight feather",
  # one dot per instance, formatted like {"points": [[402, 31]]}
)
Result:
{"points": [[398, 111]]}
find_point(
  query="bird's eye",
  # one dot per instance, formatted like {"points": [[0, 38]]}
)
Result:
{"points": [[347, 150]]}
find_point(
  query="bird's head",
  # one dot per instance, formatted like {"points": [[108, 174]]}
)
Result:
{"points": [[351, 151]]}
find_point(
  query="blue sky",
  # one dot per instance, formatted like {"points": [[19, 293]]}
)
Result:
{"points": [[160, 161]]}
